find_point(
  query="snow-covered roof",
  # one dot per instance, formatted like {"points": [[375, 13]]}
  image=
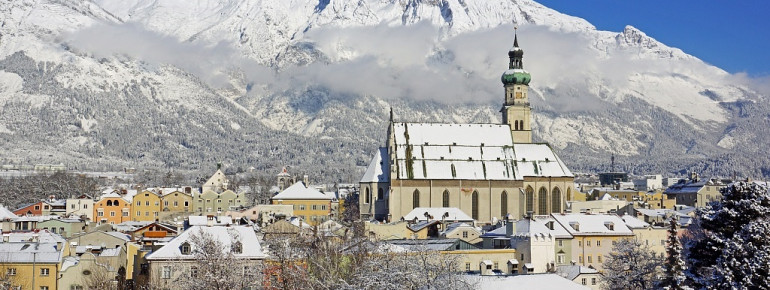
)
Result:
{"points": [[437, 213], [540, 225], [300, 191], [454, 151], [534, 281], [686, 186], [465, 151], [43, 236], [379, 167], [573, 271], [634, 223], [202, 220], [426, 245], [460, 225], [539, 160], [250, 249], [21, 252], [593, 224], [5, 213]]}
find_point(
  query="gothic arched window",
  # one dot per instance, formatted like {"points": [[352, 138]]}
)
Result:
{"points": [[569, 194], [367, 196], [556, 200], [416, 199], [542, 201], [516, 125], [445, 199], [530, 199], [504, 204], [475, 205]]}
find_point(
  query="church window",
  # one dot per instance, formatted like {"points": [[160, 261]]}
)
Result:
{"points": [[569, 194], [475, 205], [416, 199], [542, 201], [379, 194], [445, 199], [521, 125], [516, 125], [504, 204], [367, 196], [530, 199], [556, 200]]}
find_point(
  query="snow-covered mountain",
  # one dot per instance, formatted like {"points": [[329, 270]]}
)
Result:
{"points": [[184, 84]]}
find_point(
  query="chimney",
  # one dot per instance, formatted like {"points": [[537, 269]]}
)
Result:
{"points": [[510, 227], [305, 180]]}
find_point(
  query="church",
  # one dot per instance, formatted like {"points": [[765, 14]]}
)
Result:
{"points": [[488, 171]]}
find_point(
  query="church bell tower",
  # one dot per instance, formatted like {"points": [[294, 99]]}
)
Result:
{"points": [[516, 110]]}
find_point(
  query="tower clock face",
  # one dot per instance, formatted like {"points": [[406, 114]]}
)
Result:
{"points": [[518, 95]]}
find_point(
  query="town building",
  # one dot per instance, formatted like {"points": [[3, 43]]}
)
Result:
{"points": [[81, 205], [486, 170], [695, 191], [112, 208], [31, 260], [178, 258], [311, 205], [593, 236], [146, 206]]}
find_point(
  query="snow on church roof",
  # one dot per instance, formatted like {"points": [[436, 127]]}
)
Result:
{"points": [[379, 169], [299, 191], [539, 160], [468, 151], [454, 151]]}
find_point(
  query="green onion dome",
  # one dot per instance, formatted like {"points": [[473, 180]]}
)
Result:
{"points": [[516, 77]]}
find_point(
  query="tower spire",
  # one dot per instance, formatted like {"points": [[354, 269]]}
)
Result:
{"points": [[515, 37]]}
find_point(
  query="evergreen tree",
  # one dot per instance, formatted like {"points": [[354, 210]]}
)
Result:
{"points": [[631, 265], [673, 267], [730, 250]]}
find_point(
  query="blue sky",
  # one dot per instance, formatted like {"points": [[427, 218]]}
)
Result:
{"points": [[732, 35]]}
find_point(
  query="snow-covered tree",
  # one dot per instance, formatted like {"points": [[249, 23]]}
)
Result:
{"points": [[631, 265], [216, 267], [731, 249], [673, 266]]}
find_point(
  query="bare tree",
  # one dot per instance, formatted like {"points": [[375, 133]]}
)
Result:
{"points": [[631, 265]]}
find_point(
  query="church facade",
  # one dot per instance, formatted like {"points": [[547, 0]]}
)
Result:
{"points": [[488, 171]]}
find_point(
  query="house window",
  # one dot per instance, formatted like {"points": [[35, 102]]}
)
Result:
{"points": [[139, 203], [85, 206], [560, 258], [165, 203], [465, 234], [561, 243], [584, 281], [599, 258], [125, 213], [37, 207], [588, 243], [147, 213], [72, 206], [112, 213], [11, 271], [176, 203], [467, 266], [580, 243], [593, 281], [44, 271], [598, 243], [156, 213], [580, 259], [186, 203], [43, 287], [589, 258], [185, 249], [157, 203], [147, 203], [193, 272], [313, 207], [166, 272], [237, 247]]}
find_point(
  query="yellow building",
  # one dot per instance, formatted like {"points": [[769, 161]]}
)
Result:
{"points": [[309, 204], [593, 236], [112, 208], [31, 260], [174, 201], [146, 206]]}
